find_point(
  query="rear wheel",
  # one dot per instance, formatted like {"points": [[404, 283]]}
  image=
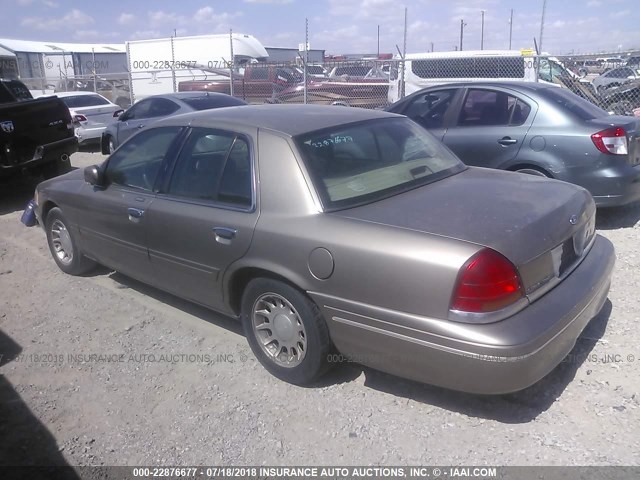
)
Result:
{"points": [[56, 168], [63, 246], [285, 331]]}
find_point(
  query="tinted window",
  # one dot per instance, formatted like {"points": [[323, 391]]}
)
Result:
{"points": [[572, 103], [137, 111], [160, 107], [214, 166], [79, 101], [470, 67], [259, 73], [137, 162], [356, 71], [428, 109], [12, 91], [364, 162], [208, 102], [488, 107]]}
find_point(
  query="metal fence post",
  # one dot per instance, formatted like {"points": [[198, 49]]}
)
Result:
{"points": [[231, 63], [306, 56]]}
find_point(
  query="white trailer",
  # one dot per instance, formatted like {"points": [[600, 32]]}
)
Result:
{"points": [[157, 66]]}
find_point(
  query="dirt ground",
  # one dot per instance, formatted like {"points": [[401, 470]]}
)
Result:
{"points": [[85, 380]]}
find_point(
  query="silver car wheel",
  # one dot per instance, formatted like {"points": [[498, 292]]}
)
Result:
{"points": [[61, 241], [279, 330]]}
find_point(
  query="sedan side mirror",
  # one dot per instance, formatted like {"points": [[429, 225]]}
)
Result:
{"points": [[93, 175], [117, 113]]}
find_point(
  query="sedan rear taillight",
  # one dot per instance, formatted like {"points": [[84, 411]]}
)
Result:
{"points": [[79, 118], [612, 140], [487, 282]]}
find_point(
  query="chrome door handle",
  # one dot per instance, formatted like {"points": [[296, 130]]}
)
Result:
{"points": [[224, 235], [135, 214], [507, 141]]}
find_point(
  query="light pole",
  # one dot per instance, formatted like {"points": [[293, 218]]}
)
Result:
{"points": [[510, 28], [482, 31], [378, 41], [462, 25]]}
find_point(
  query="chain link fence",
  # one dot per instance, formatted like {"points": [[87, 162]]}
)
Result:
{"points": [[367, 83]]}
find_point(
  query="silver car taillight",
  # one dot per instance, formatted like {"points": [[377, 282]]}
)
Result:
{"points": [[612, 140]]}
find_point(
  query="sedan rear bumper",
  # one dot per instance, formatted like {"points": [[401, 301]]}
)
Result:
{"points": [[613, 187], [495, 358]]}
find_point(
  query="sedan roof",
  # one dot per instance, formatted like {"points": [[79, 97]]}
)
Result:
{"points": [[290, 120]]}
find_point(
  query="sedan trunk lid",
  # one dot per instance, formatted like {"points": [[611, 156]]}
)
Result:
{"points": [[521, 216]]}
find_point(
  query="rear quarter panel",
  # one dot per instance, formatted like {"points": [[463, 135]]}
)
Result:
{"points": [[376, 265]]}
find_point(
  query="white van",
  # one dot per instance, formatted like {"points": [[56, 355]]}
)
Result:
{"points": [[428, 69]]}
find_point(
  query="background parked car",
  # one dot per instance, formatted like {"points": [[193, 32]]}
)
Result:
{"points": [[471, 279], [589, 67], [537, 129], [315, 71], [622, 100], [116, 91], [90, 113], [154, 108], [614, 78]]}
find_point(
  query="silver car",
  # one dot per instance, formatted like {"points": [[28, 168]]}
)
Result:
{"points": [[328, 229], [614, 78], [90, 114], [534, 128]]}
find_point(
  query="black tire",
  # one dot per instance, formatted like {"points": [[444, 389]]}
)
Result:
{"points": [[57, 229], [56, 168], [314, 362]]}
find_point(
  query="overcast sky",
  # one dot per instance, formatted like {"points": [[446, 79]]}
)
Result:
{"points": [[337, 26]]}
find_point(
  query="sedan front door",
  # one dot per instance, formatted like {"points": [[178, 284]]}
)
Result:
{"points": [[142, 114], [491, 126], [204, 217], [112, 217]]}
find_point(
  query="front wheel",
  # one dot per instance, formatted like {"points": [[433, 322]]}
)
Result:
{"points": [[63, 245], [285, 331]]}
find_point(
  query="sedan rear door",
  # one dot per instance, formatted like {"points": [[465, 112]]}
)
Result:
{"points": [[205, 215], [491, 126]]}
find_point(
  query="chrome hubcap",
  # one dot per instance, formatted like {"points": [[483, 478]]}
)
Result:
{"points": [[61, 241], [279, 330]]}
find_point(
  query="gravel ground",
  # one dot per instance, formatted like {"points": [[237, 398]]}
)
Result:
{"points": [[217, 405]]}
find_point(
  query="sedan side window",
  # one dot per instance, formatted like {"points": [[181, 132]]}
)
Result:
{"points": [[137, 162], [492, 108], [137, 111], [214, 166], [429, 110], [161, 107]]}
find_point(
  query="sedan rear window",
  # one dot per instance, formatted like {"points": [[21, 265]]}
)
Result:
{"points": [[78, 101], [209, 102], [363, 162], [577, 106]]}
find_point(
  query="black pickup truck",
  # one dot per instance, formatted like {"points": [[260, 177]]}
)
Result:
{"points": [[36, 135]]}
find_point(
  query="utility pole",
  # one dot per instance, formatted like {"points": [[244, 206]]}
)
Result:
{"points": [[378, 41], [462, 25], [544, 7], [482, 31], [432, 47], [510, 28]]}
